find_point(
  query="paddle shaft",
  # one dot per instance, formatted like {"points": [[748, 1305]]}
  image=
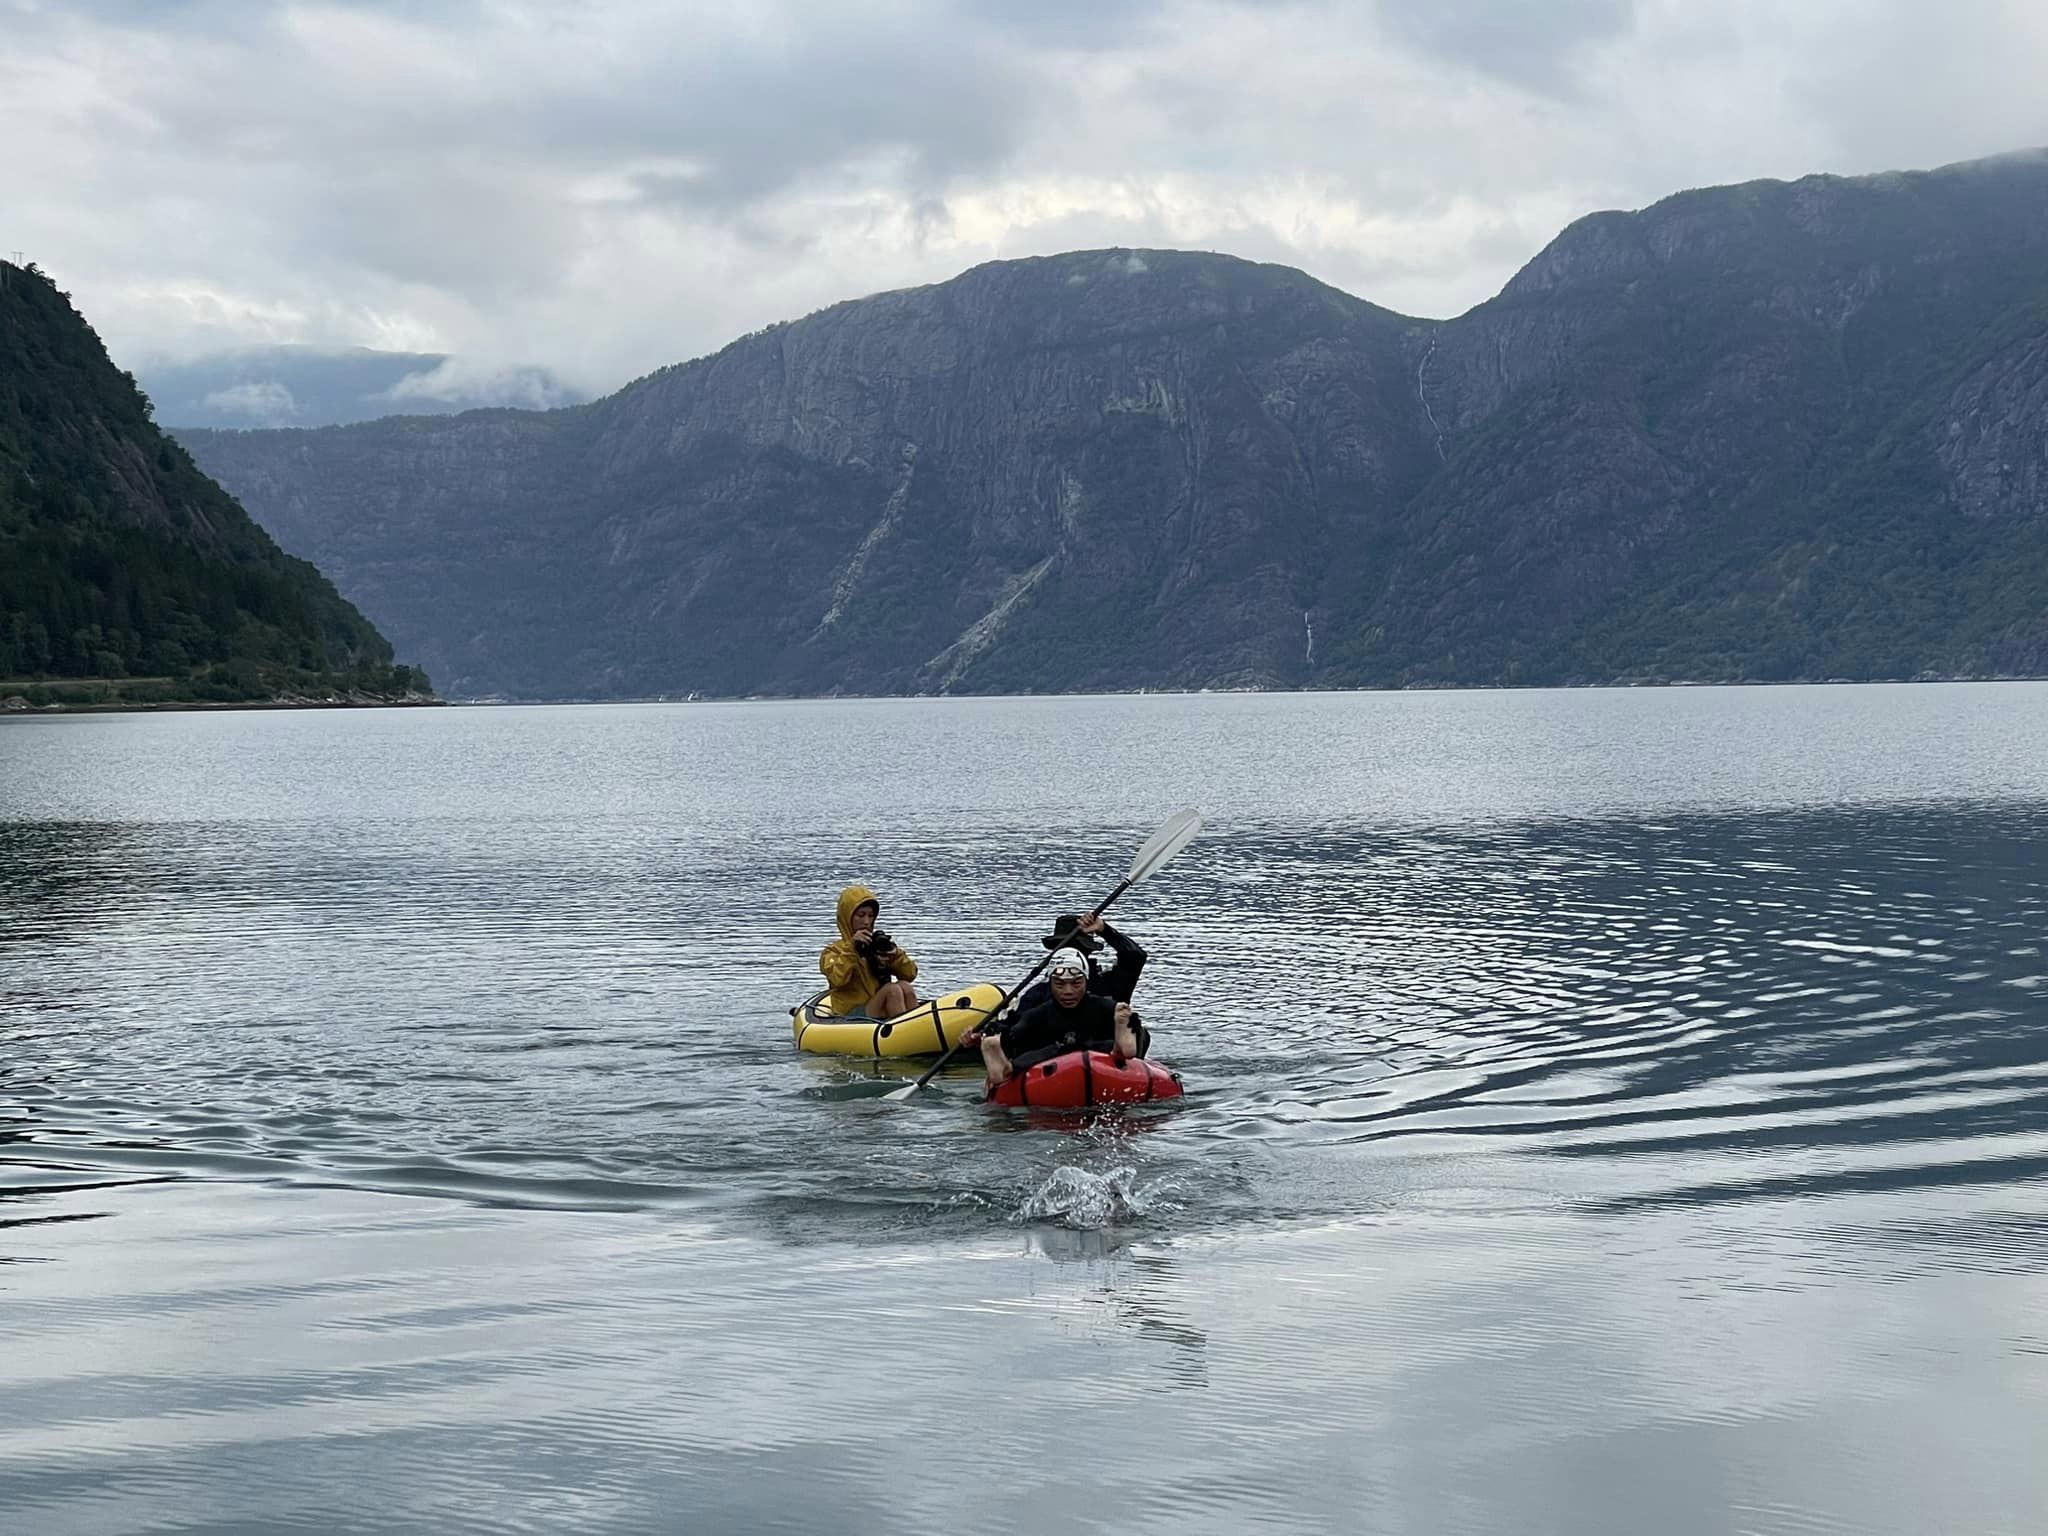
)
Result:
{"points": [[1004, 1001]]}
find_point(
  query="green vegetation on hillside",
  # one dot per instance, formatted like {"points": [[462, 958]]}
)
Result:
{"points": [[126, 575]]}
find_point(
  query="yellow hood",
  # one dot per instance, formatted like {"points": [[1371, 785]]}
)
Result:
{"points": [[850, 898]]}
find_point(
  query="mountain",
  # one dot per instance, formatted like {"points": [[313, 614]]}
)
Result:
{"points": [[296, 386], [1771, 431], [1779, 430], [125, 574]]}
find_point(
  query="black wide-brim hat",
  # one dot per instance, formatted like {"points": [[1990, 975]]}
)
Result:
{"points": [[1066, 932]]}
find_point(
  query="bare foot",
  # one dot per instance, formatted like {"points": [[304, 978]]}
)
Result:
{"points": [[1126, 1037]]}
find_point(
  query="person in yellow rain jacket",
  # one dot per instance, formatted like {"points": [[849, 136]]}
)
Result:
{"points": [[869, 974]]}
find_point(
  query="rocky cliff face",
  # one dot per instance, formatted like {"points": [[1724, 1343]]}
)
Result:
{"points": [[1763, 431], [1770, 430], [1074, 472]]}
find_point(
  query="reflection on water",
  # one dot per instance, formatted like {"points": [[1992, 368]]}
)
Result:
{"points": [[1600, 1104]]}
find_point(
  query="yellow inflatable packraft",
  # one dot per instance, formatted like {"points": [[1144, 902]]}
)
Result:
{"points": [[930, 1029]]}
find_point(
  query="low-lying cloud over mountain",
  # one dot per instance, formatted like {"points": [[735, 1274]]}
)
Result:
{"points": [[312, 387]]}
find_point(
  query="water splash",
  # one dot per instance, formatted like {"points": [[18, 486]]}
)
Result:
{"points": [[1089, 1202]]}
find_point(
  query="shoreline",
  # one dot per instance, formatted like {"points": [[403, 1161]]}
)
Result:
{"points": [[500, 701], [12, 711], [13, 707]]}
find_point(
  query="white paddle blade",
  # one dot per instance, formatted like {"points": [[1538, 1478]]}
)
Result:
{"points": [[1174, 834]]}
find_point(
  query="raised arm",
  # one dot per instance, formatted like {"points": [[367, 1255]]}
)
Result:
{"points": [[1130, 960]]}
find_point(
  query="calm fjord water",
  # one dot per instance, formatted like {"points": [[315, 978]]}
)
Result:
{"points": [[1611, 1112]]}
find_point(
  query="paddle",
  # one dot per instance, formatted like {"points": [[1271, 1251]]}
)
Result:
{"points": [[1174, 834]]}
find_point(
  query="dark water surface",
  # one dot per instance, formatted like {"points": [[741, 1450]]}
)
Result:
{"points": [[1612, 1112]]}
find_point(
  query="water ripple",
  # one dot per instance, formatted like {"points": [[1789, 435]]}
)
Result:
{"points": [[1572, 1134]]}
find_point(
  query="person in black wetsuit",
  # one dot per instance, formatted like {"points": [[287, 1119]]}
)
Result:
{"points": [[1115, 981], [1073, 1019]]}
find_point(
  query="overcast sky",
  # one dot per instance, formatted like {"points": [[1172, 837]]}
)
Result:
{"points": [[604, 186]]}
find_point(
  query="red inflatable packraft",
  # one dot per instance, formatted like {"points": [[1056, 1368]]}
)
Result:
{"points": [[1081, 1078]]}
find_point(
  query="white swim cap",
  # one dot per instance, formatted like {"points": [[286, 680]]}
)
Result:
{"points": [[1068, 962]]}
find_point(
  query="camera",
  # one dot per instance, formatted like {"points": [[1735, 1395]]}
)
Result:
{"points": [[880, 942]]}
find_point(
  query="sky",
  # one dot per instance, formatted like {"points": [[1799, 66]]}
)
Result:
{"points": [[601, 187]]}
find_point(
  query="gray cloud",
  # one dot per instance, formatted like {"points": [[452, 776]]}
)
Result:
{"points": [[606, 187], [458, 382], [267, 404], [1528, 45]]}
